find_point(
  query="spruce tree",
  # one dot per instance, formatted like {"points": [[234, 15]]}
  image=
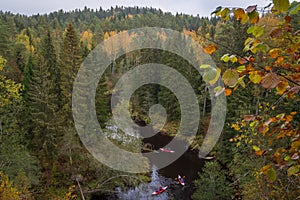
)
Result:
{"points": [[70, 59], [50, 58], [43, 111]]}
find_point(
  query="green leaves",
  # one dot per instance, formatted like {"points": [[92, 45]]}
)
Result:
{"points": [[218, 90], [211, 74], [293, 170], [294, 8], [271, 174], [281, 5], [257, 31]]}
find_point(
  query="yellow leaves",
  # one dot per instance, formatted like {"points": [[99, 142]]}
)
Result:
{"points": [[230, 77], [241, 68], [235, 127], [87, 38], [210, 49], [225, 14], [70, 195], [231, 58], [129, 16], [255, 148], [245, 19], [9, 90], [7, 189], [106, 36], [24, 39], [281, 87], [255, 77]]}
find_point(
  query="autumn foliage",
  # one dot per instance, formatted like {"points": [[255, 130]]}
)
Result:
{"points": [[272, 62]]}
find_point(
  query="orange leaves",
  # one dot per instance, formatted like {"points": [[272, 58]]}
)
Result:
{"points": [[258, 151], [249, 118], [270, 81], [274, 53], [210, 49], [228, 92], [239, 13]]}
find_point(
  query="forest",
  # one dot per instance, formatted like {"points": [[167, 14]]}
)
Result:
{"points": [[257, 56]]}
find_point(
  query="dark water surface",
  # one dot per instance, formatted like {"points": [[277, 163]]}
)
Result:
{"points": [[187, 165]]}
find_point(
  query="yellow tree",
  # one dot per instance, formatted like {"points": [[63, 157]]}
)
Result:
{"points": [[8, 89]]}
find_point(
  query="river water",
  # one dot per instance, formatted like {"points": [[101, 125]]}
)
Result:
{"points": [[188, 165]]}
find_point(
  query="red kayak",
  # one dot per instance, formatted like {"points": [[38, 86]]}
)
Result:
{"points": [[161, 190], [180, 180], [166, 150]]}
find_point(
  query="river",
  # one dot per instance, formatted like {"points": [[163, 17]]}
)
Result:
{"points": [[188, 165]]}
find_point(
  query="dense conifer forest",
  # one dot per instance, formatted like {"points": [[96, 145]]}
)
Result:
{"points": [[257, 56]]}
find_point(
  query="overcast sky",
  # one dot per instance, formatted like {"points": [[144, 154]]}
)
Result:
{"points": [[201, 7]]}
